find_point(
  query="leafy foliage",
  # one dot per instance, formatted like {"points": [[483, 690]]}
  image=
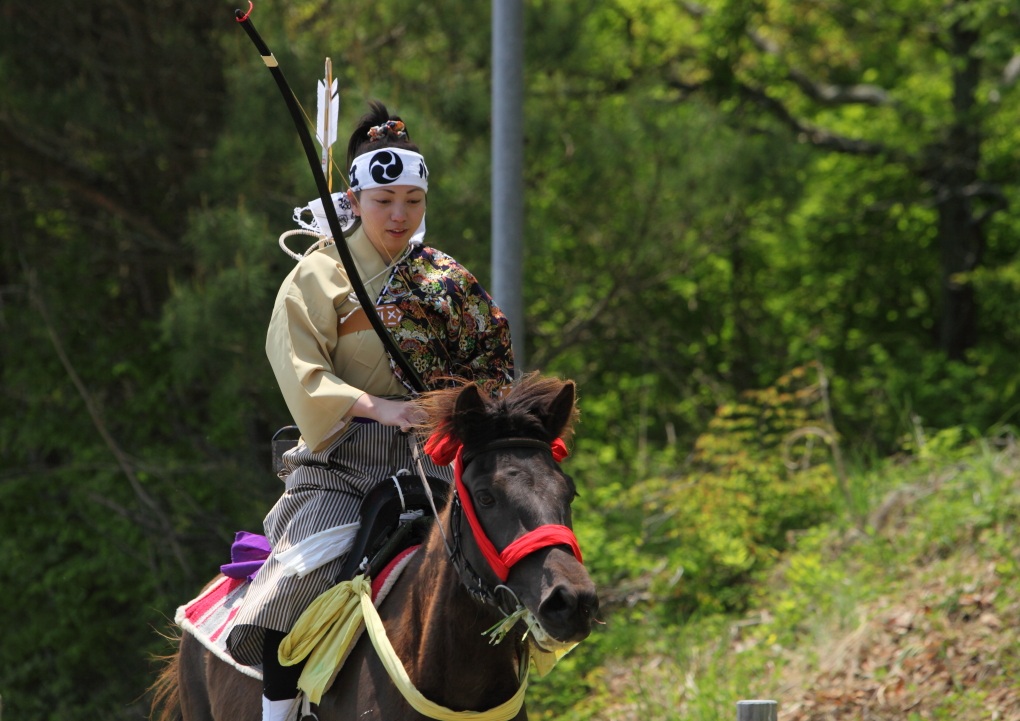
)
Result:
{"points": [[716, 194], [745, 495], [917, 612]]}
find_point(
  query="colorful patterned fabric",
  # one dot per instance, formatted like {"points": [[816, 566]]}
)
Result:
{"points": [[445, 323], [210, 616]]}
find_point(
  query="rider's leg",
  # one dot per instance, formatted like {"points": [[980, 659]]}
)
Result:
{"points": [[279, 683]]}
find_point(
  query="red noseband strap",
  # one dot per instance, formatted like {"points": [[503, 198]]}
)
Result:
{"points": [[541, 537], [443, 449]]}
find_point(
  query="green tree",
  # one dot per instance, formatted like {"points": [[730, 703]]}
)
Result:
{"points": [[684, 242], [106, 112], [923, 90]]}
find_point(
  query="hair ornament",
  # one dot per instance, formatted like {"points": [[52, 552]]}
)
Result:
{"points": [[392, 128]]}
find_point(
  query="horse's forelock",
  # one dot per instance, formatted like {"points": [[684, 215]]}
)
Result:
{"points": [[439, 406], [523, 411]]}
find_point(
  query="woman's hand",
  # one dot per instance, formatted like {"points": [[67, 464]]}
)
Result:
{"points": [[404, 414]]}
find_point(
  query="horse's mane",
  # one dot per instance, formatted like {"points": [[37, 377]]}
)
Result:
{"points": [[522, 411]]}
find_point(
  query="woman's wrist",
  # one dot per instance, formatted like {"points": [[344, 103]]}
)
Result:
{"points": [[387, 412], [366, 406]]}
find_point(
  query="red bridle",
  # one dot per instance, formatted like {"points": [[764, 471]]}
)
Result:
{"points": [[444, 449]]}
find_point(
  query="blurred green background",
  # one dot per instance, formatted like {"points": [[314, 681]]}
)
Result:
{"points": [[756, 231]]}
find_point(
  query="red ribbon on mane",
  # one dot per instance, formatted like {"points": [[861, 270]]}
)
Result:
{"points": [[445, 448]]}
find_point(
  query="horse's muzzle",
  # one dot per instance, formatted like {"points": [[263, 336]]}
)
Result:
{"points": [[566, 604], [567, 613]]}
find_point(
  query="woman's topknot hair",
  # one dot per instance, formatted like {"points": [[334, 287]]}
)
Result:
{"points": [[363, 139]]}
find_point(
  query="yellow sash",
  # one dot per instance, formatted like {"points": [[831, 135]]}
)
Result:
{"points": [[328, 628]]}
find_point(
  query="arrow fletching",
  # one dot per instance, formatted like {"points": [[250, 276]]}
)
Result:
{"points": [[326, 116]]}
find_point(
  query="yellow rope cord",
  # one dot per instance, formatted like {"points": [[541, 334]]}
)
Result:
{"points": [[398, 674], [327, 630], [325, 633]]}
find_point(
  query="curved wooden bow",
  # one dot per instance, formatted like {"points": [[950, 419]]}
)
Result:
{"points": [[244, 19]]}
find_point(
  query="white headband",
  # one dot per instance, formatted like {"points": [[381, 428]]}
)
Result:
{"points": [[389, 166]]}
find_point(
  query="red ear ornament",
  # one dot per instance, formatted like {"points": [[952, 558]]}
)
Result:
{"points": [[442, 449]]}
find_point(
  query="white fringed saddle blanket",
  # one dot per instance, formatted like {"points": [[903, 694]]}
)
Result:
{"points": [[210, 616]]}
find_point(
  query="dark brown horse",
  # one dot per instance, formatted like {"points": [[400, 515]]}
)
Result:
{"points": [[438, 612]]}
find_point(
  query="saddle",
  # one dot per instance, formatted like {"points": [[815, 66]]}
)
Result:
{"points": [[395, 515]]}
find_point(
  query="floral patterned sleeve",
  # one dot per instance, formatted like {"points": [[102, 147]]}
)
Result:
{"points": [[484, 343], [445, 323]]}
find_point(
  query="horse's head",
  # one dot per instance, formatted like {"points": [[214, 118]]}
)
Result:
{"points": [[512, 484]]}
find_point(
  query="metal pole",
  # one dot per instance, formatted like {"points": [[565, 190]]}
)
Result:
{"points": [[757, 711], [508, 165]]}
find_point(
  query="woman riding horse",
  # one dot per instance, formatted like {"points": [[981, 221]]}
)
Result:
{"points": [[501, 555], [346, 396]]}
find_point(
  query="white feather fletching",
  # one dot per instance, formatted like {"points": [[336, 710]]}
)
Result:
{"points": [[327, 112]]}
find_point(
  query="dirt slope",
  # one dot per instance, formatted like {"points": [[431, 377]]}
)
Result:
{"points": [[939, 644]]}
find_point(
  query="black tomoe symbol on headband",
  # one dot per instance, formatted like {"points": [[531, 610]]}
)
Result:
{"points": [[385, 167]]}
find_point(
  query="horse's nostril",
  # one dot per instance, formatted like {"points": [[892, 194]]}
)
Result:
{"points": [[559, 603], [567, 613], [564, 603]]}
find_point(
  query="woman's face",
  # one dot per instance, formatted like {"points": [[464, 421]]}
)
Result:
{"points": [[390, 216]]}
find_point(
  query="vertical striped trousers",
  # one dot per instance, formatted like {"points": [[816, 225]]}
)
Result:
{"points": [[323, 490]]}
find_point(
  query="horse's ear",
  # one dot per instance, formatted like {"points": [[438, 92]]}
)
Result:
{"points": [[468, 407], [560, 411]]}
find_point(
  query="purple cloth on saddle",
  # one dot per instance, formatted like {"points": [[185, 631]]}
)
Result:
{"points": [[247, 554]]}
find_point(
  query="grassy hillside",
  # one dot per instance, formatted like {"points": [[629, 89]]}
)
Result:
{"points": [[904, 605]]}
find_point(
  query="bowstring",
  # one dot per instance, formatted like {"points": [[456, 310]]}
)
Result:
{"points": [[412, 442]]}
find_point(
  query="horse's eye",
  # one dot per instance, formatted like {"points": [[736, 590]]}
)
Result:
{"points": [[574, 494], [484, 498]]}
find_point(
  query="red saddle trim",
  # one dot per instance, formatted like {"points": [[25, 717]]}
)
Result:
{"points": [[383, 576]]}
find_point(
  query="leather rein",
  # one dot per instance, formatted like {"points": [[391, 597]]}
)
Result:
{"points": [[442, 449]]}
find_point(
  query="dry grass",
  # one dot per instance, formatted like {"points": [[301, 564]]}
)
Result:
{"points": [[935, 636], [913, 651]]}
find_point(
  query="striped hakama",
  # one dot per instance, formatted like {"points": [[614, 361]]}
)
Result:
{"points": [[324, 490]]}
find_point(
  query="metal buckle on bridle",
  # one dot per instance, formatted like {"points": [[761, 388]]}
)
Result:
{"points": [[503, 593]]}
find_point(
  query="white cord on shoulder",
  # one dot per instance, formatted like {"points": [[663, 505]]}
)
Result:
{"points": [[322, 242], [391, 269], [357, 306]]}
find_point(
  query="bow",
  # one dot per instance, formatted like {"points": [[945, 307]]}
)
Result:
{"points": [[244, 19]]}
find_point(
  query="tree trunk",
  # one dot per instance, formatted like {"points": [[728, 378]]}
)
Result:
{"points": [[960, 237]]}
